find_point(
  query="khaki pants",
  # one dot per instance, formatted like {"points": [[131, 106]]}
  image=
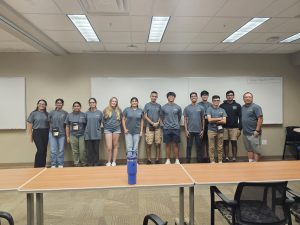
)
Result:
{"points": [[78, 150], [215, 139]]}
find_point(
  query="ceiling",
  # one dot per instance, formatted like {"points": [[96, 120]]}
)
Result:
{"points": [[196, 26]]}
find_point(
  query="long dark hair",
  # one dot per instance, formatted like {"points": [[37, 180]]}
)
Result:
{"points": [[134, 98], [41, 100], [94, 101]]}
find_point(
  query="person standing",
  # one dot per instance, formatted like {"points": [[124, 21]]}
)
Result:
{"points": [[92, 134], [252, 120], [57, 134], [170, 116], [75, 127], [38, 129], [216, 117], [153, 132], [205, 104], [194, 127], [233, 126], [112, 130], [133, 124]]}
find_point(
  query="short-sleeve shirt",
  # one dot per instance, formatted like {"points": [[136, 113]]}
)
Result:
{"points": [[215, 113], [152, 110], [57, 120], [171, 116], [133, 119], [93, 122], [250, 115], [78, 118], [112, 123], [205, 106], [39, 120], [194, 115]]}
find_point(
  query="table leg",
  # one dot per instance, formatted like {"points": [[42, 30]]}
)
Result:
{"points": [[181, 206], [192, 205], [30, 209], [39, 209]]}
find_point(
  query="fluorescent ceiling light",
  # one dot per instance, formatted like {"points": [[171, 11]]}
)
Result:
{"points": [[255, 22], [83, 25], [158, 27], [291, 38]]}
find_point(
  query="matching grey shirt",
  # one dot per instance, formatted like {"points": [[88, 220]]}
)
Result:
{"points": [[112, 123], [39, 120], [133, 119], [152, 110], [215, 113], [194, 115], [171, 116], [250, 114], [93, 125], [57, 120], [77, 123]]}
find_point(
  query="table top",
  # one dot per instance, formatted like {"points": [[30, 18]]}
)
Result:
{"points": [[81, 178], [12, 179], [222, 173]]}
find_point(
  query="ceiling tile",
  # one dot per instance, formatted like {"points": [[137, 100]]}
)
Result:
{"points": [[140, 23], [172, 47], [65, 36], [110, 23], [293, 11], [141, 7], [69, 6], [164, 8], [96, 46], [75, 46], [139, 37], [224, 24], [125, 47], [115, 37], [270, 25], [287, 48], [276, 8], [187, 24], [292, 25], [152, 47], [34, 6], [198, 7], [200, 47], [172, 37], [210, 37], [243, 8]]}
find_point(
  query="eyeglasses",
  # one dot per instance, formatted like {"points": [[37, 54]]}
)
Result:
{"points": [[92, 102], [216, 100]]}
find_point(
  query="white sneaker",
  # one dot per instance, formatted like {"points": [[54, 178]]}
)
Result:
{"points": [[113, 164], [53, 167], [177, 161], [220, 162], [168, 161], [60, 166], [108, 164]]}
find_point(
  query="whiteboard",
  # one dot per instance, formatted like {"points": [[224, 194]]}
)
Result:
{"points": [[267, 91], [12, 100]]}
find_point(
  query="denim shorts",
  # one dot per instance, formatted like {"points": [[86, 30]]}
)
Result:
{"points": [[171, 135], [115, 130]]}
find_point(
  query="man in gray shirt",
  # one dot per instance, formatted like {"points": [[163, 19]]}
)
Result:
{"points": [[194, 127], [153, 132], [216, 117], [252, 119], [170, 116]]}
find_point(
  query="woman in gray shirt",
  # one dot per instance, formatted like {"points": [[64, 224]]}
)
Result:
{"points": [[38, 129]]}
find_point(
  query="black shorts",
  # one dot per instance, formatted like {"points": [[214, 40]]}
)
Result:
{"points": [[171, 135]]}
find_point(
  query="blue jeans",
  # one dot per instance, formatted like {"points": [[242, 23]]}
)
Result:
{"points": [[132, 142], [57, 143]]}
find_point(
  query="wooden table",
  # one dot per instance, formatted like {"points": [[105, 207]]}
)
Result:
{"points": [[87, 178], [233, 173]]}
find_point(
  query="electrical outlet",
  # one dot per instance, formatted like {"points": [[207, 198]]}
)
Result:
{"points": [[264, 142]]}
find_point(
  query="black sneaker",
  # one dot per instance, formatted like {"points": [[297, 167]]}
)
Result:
{"points": [[149, 162], [157, 161]]}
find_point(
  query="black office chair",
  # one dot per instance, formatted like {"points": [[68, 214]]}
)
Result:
{"points": [[295, 208], [155, 219], [7, 217], [292, 138], [253, 204]]}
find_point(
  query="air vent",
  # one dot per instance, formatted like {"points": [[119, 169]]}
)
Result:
{"points": [[106, 7]]}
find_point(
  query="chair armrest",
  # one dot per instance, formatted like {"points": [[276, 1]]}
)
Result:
{"points": [[293, 193], [155, 219], [8, 217], [231, 203]]}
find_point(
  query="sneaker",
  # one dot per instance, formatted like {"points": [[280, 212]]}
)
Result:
{"points": [[113, 164], [233, 159], [149, 162], [157, 161], [108, 164], [177, 161], [53, 167], [220, 162], [227, 159], [168, 161], [213, 162], [60, 166]]}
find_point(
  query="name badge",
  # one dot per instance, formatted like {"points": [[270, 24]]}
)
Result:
{"points": [[75, 126], [55, 132], [205, 117], [220, 127]]}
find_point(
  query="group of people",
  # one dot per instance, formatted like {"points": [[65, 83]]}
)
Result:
{"points": [[209, 124]]}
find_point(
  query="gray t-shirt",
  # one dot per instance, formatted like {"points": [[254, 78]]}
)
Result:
{"points": [[133, 119], [93, 122], [39, 120], [194, 115], [57, 120], [205, 106], [215, 113], [250, 116], [153, 111], [112, 122], [171, 116], [77, 123]]}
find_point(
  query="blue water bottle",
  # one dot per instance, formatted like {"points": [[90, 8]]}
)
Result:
{"points": [[131, 167]]}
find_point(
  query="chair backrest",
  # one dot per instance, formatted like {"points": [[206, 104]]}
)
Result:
{"points": [[291, 135], [261, 203]]}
